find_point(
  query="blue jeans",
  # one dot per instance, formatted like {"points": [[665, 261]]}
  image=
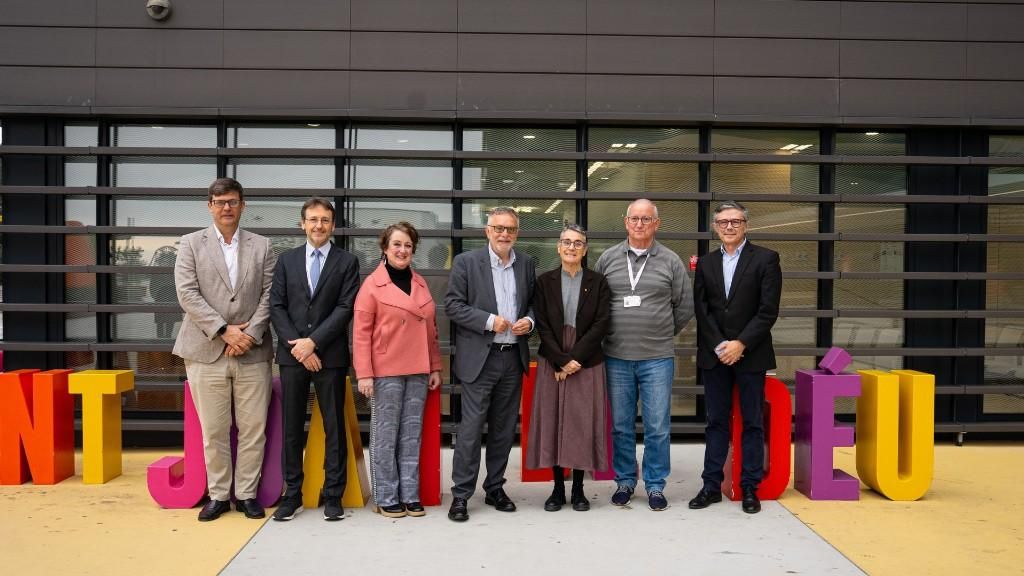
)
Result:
{"points": [[653, 380]]}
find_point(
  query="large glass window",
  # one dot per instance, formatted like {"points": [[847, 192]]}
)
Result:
{"points": [[757, 141], [399, 174], [501, 139], [281, 136], [519, 175], [607, 176], [653, 140], [401, 138]]}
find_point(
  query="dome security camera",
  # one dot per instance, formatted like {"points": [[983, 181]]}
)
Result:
{"points": [[158, 9]]}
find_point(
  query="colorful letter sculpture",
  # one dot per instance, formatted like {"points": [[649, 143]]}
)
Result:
{"points": [[430, 451], [817, 432], [896, 432], [37, 431], [101, 420], [778, 413], [357, 491]]}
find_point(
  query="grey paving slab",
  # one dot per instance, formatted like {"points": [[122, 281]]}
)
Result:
{"points": [[532, 542]]}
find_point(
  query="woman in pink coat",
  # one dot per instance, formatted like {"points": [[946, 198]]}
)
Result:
{"points": [[397, 357]]}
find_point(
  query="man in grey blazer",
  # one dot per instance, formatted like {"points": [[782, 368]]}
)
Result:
{"points": [[222, 276], [489, 294]]}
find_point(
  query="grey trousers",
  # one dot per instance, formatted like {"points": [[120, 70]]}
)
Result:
{"points": [[396, 427], [492, 398]]}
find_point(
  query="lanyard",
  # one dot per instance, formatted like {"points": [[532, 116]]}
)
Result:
{"points": [[634, 280]]}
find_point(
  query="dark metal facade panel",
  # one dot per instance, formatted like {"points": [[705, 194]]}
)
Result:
{"points": [[403, 90], [904, 21], [994, 100], [523, 16], [299, 88], [145, 48], [278, 15], [184, 14], [776, 97], [906, 98], [995, 61], [407, 15], [55, 13], [777, 19], [649, 55], [651, 17], [995, 23], [404, 51], [286, 49], [887, 59], [562, 93], [20, 86], [158, 87], [684, 95], [32, 46], [776, 57], [522, 53]]}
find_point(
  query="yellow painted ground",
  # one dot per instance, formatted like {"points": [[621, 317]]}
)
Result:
{"points": [[113, 528], [970, 522]]}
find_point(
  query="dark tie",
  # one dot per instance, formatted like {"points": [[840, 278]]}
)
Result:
{"points": [[314, 271]]}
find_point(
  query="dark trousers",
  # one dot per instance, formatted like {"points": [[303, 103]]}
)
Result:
{"points": [[718, 385], [492, 398], [328, 384]]}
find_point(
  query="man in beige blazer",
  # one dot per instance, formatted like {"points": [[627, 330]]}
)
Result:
{"points": [[222, 277]]}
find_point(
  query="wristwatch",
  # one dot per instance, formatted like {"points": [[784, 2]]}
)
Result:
{"points": [[222, 330]]}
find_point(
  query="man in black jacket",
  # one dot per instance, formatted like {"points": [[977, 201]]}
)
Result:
{"points": [[311, 300], [736, 290]]}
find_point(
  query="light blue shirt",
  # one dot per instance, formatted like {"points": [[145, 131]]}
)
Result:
{"points": [[324, 250], [729, 265], [504, 278]]}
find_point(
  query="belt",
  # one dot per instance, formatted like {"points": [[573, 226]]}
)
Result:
{"points": [[502, 346]]}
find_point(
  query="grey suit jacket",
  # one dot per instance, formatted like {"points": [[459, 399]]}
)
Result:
{"points": [[205, 294], [471, 300]]}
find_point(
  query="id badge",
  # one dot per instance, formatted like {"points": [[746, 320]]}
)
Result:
{"points": [[630, 301]]}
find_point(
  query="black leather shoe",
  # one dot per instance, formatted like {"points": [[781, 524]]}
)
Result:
{"points": [[555, 502], [213, 510], [501, 501], [751, 505], [458, 512], [579, 501], [415, 509], [704, 498], [251, 508]]}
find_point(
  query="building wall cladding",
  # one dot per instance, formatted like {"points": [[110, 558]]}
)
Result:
{"points": [[871, 62]]}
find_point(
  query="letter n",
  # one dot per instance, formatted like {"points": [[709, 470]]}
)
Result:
{"points": [[37, 431]]}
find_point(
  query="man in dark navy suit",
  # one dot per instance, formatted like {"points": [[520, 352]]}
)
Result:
{"points": [[311, 301], [736, 293]]}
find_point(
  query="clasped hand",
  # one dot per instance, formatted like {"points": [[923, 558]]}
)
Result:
{"points": [[519, 328], [304, 350], [237, 342], [569, 369]]}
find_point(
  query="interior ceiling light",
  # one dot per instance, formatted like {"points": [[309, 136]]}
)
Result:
{"points": [[403, 141], [619, 145], [789, 146], [519, 171], [313, 125], [633, 145], [529, 136], [871, 133], [553, 206], [803, 147], [594, 167], [507, 181]]}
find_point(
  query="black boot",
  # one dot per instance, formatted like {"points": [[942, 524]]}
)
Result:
{"points": [[579, 500], [555, 502]]}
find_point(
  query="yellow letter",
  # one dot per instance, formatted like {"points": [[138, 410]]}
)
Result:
{"points": [[101, 420], [356, 485]]}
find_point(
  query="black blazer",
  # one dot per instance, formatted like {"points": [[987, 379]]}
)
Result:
{"points": [[593, 316], [470, 301], [323, 316], [747, 315]]}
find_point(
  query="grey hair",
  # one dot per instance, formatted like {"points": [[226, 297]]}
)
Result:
{"points": [[504, 210], [732, 205], [570, 227], [639, 200]]}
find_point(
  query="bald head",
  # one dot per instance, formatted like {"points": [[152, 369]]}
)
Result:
{"points": [[641, 222]]}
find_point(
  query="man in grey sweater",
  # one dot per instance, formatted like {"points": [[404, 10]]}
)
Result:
{"points": [[651, 302]]}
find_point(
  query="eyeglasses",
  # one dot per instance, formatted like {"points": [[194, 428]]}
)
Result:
{"points": [[498, 229], [634, 220], [577, 244], [222, 203], [723, 224], [315, 221]]}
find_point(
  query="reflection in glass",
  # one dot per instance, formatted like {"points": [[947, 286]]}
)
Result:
{"points": [[764, 179], [607, 176], [867, 332], [176, 136], [780, 217], [280, 136], [746, 141], [423, 214], [793, 332], [1005, 180], [871, 143], [871, 179], [519, 175], [885, 294], [869, 256], [493, 139], [653, 140], [1006, 145], [80, 171], [399, 174], [77, 134], [283, 172], [149, 171], [535, 214], [401, 138]]}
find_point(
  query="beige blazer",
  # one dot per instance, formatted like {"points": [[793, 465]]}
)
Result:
{"points": [[205, 294]]}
